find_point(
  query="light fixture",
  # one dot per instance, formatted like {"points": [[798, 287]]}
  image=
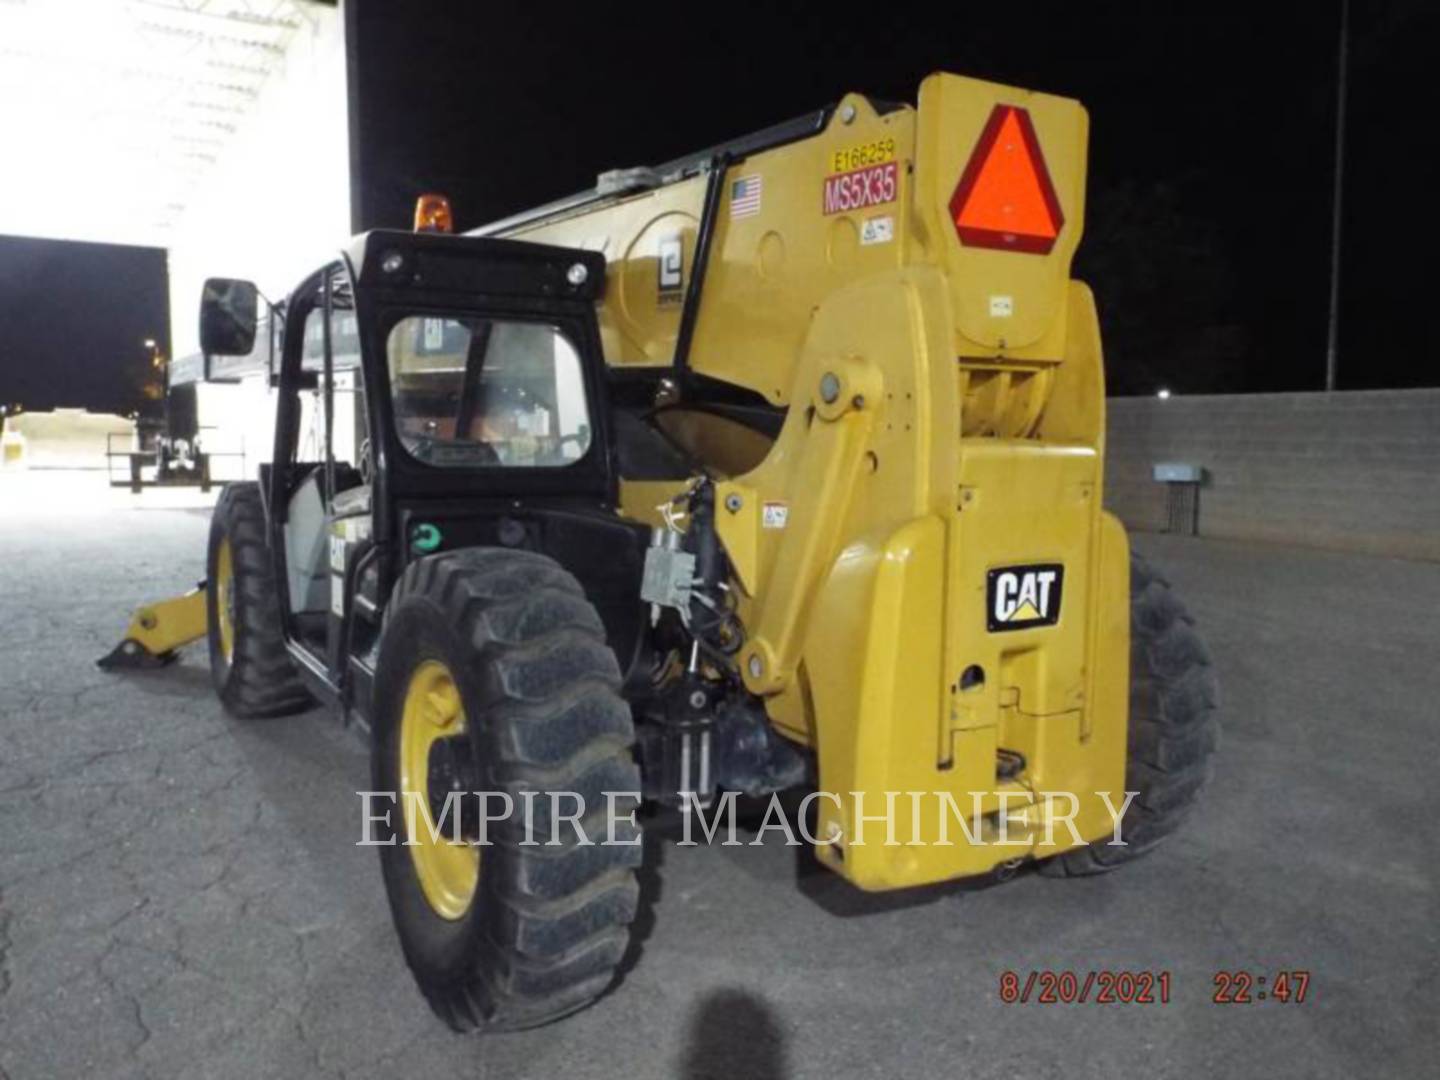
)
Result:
{"points": [[1163, 394], [432, 214]]}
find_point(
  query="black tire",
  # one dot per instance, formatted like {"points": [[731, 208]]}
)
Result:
{"points": [[547, 927], [258, 678], [1173, 727]]}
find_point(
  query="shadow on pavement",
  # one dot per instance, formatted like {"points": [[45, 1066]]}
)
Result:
{"points": [[649, 880], [734, 1033]]}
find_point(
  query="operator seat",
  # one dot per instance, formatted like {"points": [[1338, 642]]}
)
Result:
{"points": [[307, 534], [306, 547]]}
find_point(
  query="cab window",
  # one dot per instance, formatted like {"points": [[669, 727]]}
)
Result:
{"points": [[348, 399], [474, 391]]}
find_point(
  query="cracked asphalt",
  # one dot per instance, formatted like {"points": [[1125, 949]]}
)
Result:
{"points": [[181, 894]]}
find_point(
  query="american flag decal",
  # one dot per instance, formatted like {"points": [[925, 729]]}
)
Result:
{"points": [[744, 196]]}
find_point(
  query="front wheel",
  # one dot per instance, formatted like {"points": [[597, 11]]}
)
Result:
{"points": [[1173, 728], [494, 677], [249, 664]]}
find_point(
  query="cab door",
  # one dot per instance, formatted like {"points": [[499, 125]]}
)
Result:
{"points": [[319, 478]]}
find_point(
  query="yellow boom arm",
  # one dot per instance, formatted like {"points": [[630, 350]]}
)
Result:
{"points": [[933, 599]]}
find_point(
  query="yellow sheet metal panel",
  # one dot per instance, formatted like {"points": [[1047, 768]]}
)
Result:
{"points": [[863, 462], [777, 253], [799, 222], [901, 611], [1075, 410], [778, 264], [169, 624], [821, 480], [739, 522], [867, 590], [1105, 722], [642, 499], [883, 609], [727, 446], [939, 469], [1007, 303], [1023, 504], [157, 630]]}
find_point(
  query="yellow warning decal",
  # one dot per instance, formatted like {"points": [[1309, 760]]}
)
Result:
{"points": [[862, 155]]}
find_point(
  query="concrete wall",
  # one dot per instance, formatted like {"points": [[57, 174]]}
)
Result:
{"points": [[1353, 471]]}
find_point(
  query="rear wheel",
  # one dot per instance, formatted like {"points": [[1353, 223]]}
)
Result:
{"points": [[1173, 727], [251, 670], [494, 676]]}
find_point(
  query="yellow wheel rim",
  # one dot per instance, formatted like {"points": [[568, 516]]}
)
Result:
{"points": [[225, 599], [448, 871]]}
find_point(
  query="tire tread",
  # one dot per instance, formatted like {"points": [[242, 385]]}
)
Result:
{"points": [[261, 680], [555, 919], [1173, 726]]}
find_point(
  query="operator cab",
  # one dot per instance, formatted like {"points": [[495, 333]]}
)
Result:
{"points": [[433, 392]]}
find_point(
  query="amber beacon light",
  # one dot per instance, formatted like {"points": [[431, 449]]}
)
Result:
{"points": [[432, 214]]}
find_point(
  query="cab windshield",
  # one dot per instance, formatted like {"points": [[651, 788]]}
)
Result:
{"points": [[473, 391]]}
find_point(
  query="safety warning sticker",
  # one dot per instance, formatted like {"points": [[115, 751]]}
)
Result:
{"points": [[774, 515], [877, 230]]}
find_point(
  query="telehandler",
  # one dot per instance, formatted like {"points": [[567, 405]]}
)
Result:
{"points": [[776, 465]]}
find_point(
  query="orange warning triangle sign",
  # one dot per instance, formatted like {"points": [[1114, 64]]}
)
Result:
{"points": [[1005, 199]]}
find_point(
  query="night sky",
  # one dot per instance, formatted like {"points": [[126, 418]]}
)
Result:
{"points": [[1212, 132], [73, 322]]}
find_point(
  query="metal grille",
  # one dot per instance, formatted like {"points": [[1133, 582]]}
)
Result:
{"points": [[1182, 508]]}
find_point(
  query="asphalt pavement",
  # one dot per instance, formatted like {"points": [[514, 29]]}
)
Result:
{"points": [[181, 893]]}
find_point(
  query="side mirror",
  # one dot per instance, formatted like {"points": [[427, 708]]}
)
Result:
{"points": [[229, 314]]}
